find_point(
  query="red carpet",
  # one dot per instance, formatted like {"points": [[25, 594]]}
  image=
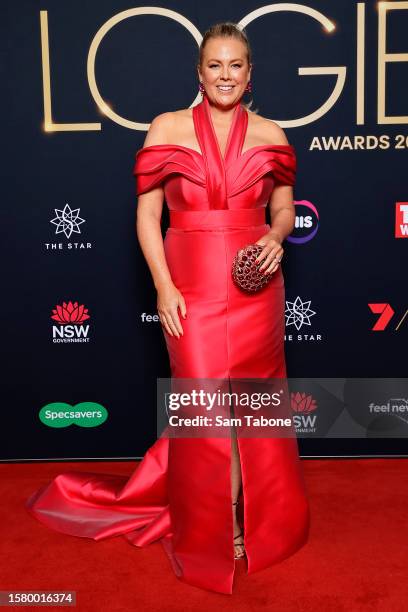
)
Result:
{"points": [[356, 558]]}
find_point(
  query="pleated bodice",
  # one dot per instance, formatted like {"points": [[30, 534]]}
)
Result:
{"points": [[207, 181]]}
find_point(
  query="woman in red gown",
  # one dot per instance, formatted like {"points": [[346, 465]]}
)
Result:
{"points": [[183, 492]]}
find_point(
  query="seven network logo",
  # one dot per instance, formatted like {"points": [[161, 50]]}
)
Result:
{"points": [[67, 222], [299, 314], [385, 313], [70, 318]]}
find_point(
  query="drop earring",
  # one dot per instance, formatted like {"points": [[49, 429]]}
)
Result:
{"points": [[248, 88], [202, 90]]}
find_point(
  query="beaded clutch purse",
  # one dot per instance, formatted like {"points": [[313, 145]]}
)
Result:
{"points": [[245, 270]]}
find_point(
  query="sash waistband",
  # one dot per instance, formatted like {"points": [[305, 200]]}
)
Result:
{"points": [[217, 218]]}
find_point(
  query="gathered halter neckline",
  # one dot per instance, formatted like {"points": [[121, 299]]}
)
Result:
{"points": [[236, 133], [215, 166]]}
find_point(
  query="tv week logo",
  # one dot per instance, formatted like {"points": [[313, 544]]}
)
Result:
{"points": [[71, 317], [401, 220]]}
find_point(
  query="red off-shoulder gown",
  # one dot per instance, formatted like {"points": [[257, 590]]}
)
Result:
{"points": [[180, 493]]}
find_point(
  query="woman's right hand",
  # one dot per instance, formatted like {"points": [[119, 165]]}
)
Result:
{"points": [[169, 299]]}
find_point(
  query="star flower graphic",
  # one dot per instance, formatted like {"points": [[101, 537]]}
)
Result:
{"points": [[298, 313], [67, 220]]}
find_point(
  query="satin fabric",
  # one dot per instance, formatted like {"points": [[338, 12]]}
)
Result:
{"points": [[180, 493]]}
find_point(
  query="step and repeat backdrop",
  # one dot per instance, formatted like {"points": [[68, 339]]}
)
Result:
{"points": [[81, 82]]}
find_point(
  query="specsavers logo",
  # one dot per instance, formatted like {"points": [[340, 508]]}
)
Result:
{"points": [[84, 414]]}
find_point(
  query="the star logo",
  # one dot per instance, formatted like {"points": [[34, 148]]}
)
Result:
{"points": [[298, 313], [67, 221]]}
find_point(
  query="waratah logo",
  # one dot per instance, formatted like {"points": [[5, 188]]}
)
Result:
{"points": [[302, 403], [70, 313]]}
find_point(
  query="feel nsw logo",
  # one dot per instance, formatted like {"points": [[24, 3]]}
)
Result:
{"points": [[84, 414]]}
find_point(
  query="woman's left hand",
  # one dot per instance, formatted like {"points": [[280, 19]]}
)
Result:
{"points": [[272, 252]]}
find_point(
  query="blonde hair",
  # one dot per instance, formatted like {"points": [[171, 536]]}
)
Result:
{"points": [[227, 29]]}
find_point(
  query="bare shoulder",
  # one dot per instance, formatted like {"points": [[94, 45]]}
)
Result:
{"points": [[166, 127], [267, 130], [160, 129], [182, 119]]}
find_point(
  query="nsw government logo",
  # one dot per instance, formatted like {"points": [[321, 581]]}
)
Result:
{"points": [[70, 317]]}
